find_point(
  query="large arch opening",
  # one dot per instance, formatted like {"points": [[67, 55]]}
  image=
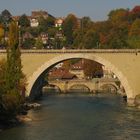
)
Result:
{"points": [[35, 79]]}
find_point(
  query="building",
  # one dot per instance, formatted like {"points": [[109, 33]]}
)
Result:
{"points": [[60, 74], [44, 38], [34, 22], [59, 22], [78, 69], [40, 13], [35, 15]]}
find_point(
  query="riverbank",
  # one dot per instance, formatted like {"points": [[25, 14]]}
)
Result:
{"points": [[22, 117]]}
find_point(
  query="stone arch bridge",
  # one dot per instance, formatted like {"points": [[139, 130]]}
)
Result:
{"points": [[90, 85], [125, 64]]}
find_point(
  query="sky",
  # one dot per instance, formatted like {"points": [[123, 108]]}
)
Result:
{"points": [[97, 10]]}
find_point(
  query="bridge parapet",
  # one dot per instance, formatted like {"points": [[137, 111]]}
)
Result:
{"points": [[79, 51]]}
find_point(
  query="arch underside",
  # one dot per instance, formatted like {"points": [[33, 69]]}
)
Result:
{"points": [[42, 69]]}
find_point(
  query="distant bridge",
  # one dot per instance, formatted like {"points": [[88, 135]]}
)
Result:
{"points": [[125, 64], [94, 85]]}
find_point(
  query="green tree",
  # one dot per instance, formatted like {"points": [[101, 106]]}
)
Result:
{"points": [[2, 77], [116, 39], [39, 44], [59, 43], [77, 35], [5, 17], [135, 28], [117, 43], [43, 24], [24, 21], [34, 31], [50, 21], [10, 102], [91, 40], [69, 26], [86, 23], [134, 42], [52, 32], [28, 43], [13, 72]]}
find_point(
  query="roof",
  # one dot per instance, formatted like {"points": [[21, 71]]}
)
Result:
{"points": [[39, 13], [61, 74]]}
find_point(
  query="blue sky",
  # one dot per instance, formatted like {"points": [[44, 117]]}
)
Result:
{"points": [[95, 9]]}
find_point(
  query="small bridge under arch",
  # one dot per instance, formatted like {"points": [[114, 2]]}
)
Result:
{"points": [[88, 85]]}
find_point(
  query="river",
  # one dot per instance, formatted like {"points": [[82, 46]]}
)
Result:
{"points": [[79, 117]]}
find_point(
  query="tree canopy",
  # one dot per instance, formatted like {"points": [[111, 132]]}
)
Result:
{"points": [[69, 26], [24, 21]]}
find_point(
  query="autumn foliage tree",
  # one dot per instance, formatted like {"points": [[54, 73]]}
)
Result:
{"points": [[117, 16], [92, 69], [119, 31], [1, 34]]}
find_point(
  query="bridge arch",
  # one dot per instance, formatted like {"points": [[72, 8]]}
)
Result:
{"points": [[85, 87], [52, 88], [37, 74], [109, 87]]}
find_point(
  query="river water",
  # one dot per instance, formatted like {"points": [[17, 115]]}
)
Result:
{"points": [[79, 117]]}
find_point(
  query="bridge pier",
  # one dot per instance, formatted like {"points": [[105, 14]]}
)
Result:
{"points": [[65, 89], [131, 102]]}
